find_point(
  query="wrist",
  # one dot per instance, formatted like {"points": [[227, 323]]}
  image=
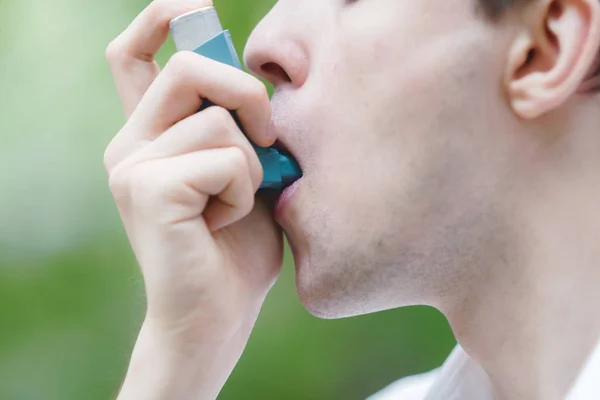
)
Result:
{"points": [[175, 365]]}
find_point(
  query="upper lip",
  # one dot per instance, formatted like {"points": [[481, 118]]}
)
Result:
{"points": [[279, 127]]}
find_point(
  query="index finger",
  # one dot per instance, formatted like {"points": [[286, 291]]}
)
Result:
{"points": [[189, 79], [131, 54]]}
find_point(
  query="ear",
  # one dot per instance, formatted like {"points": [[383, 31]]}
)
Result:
{"points": [[552, 54]]}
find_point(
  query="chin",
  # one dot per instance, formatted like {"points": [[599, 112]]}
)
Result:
{"points": [[336, 306], [326, 292], [313, 287], [322, 307]]}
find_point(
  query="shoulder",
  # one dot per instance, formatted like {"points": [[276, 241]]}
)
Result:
{"points": [[411, 388]]}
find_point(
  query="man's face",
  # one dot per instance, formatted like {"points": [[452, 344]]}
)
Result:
{"points": [[394, 110]]}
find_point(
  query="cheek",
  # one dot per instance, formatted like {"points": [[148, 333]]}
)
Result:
{"points": [[371, 113], [393, 120], [377, 96]]}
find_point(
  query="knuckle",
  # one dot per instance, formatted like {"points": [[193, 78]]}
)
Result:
{"points": [[158, 10], [114, 153], [247, 201], [111, 156], [119, 183], [181, 66], [114, 51], [257, 92], [109, 159], [164, 10], [238, 161], [255, 168], [221, 118], [257, 174]]}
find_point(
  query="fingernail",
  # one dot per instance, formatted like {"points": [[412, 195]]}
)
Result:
{"points": [[272, 131]]}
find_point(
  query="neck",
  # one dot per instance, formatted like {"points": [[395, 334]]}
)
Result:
{"points": [[532, 323]]}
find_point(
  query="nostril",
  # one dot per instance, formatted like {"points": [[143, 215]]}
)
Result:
{"points": [[275, 73]]}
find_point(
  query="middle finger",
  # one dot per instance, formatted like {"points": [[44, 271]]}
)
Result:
{"points": [[187, 80]]}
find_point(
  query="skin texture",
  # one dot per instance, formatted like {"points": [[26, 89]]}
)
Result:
{"points": [[450, 159], [424, 175], [410, 166], [184, 184]]}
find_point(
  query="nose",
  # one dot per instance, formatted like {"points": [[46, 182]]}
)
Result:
{"points": [[276, 53]]}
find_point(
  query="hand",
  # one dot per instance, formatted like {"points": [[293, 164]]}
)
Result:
{"points": [[185, 183]]}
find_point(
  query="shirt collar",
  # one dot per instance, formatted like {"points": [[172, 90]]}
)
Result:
{"points": [[587, 385]]}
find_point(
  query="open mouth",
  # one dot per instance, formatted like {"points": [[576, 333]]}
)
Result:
{"points": [[281, 147]]}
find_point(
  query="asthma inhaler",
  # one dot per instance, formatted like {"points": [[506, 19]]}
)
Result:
{"points": [[200, 31]]}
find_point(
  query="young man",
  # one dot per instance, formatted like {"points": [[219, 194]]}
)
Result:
{"points": [[451, 157]]}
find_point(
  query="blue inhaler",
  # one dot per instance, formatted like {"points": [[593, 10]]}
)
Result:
{"points": [[200, 31]]}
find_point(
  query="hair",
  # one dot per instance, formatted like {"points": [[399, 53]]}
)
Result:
{"points": [[593, 80], [495, 8]]}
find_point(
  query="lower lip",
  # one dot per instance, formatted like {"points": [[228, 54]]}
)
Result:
{"points": [[285, 198]]}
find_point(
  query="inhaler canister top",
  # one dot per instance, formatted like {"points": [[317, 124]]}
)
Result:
{"points": [[195, 28]]}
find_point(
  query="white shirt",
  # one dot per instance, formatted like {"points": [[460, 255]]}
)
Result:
{"points": [[460, 378]]}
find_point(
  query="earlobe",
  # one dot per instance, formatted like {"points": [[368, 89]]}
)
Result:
{"points": [[552, 55]]}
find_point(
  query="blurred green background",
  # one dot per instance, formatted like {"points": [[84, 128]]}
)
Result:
{"points": [[71, 296]]}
